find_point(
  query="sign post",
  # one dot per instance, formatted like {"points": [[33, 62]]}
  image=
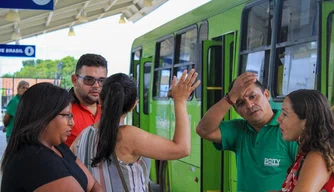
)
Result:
{"points": [[17, 50]]}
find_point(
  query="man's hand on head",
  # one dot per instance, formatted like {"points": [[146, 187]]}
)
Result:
{"points": [[241, 84]]}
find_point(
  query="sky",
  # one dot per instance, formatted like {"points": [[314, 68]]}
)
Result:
{"points": [[104, 36]]}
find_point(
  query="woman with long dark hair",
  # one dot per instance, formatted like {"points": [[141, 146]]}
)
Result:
{"points": [[109, 139], [36, 158], [307, 118]]}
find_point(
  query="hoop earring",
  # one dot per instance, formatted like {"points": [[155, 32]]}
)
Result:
{"points": [[298, 140]]}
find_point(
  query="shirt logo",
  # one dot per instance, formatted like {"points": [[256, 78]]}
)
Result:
{"points": [[271, 162]]}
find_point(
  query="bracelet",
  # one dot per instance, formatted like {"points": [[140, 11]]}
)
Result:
{"points": [[227, 98]]}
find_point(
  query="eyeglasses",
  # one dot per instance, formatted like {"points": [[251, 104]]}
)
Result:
{"points": [[68, 115], [89, 80]]}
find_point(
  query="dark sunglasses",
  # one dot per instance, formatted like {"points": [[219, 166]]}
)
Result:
{"points": [[89, 80]]}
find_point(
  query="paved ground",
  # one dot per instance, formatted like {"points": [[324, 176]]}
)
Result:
{"points": [[3, 144]]}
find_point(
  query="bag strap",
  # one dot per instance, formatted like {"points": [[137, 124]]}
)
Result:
{"points": [[120, 172]]}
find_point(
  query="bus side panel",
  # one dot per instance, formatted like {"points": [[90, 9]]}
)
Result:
{"points": [[194, 114], [327, 45], [161, 121], [159, 125], [185, 177], [193, 160]]}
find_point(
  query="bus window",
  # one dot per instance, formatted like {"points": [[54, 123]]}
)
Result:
{"points": [[298, 20], [166, 53], [185, 56], [186, 47], [255, 63], [256, 39], [299, 67], [147, 82], [162, 83], [258, 26], [179, 70], [137, 55], [296, 49], [138, 85], [135, 59], [162, 67], [203, 35], [214, 69]]}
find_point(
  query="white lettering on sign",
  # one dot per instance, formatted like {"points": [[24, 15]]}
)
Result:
{"points": [[14, 51], [271, 162], [2, 50]]}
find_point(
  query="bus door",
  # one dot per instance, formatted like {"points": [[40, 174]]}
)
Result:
{"points": [[133, 117], [211, 93], [218, 60], [229, 72], [328, 41], [143, 106]]}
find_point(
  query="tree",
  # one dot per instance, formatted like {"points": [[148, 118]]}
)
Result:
{"points": [[28, 63], [48, 69]]}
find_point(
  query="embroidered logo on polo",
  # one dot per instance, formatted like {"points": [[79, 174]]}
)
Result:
{"points": [[271, 162]]}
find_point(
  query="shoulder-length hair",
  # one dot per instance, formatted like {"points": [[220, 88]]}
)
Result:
{"points": [[37, 107], [318, 134]]}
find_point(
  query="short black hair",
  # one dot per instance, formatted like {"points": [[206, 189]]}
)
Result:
{"points": [[257, 84], [91, 60]]}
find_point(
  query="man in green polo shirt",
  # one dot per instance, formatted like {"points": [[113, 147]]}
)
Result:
{"points": [[263, 157], [8, 119]]}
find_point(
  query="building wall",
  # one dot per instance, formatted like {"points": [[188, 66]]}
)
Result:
{"points": [[9, 86]]}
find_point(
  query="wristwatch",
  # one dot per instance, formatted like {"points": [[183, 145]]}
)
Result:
{"points": [[227, 98]]}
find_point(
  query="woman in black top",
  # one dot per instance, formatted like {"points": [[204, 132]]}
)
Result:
{"points": [[36, 158]]}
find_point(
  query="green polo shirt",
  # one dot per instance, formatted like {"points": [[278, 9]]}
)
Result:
{"points": [[262, 157], [11, 110]]}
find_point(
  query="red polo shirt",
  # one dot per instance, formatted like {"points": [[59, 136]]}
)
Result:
{"points": [[82, 118]]}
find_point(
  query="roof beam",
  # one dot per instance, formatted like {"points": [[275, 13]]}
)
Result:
{"points": [[55, 25], [83, 7], [38, 16], [112, 3], [48, 20], [65, 14]]}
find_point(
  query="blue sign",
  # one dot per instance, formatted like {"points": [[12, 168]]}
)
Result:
{"points": [[27, 4], [17, 50]]}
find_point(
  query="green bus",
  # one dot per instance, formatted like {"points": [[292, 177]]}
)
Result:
{"points": [[288, 43]]}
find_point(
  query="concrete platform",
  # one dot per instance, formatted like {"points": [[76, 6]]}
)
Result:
{"points": [[3, 145]]}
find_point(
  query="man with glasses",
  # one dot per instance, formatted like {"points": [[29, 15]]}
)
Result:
{"points": [[90, 73]]}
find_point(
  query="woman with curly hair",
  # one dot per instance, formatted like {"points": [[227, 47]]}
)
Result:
{"points": [[307, 118]]}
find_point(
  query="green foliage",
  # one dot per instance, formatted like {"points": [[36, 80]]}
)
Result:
{"points": [[28, 63], [48, 69], [8, 75]]}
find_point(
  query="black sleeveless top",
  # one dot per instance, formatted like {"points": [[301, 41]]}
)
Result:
{"points": [[36, 165]]}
